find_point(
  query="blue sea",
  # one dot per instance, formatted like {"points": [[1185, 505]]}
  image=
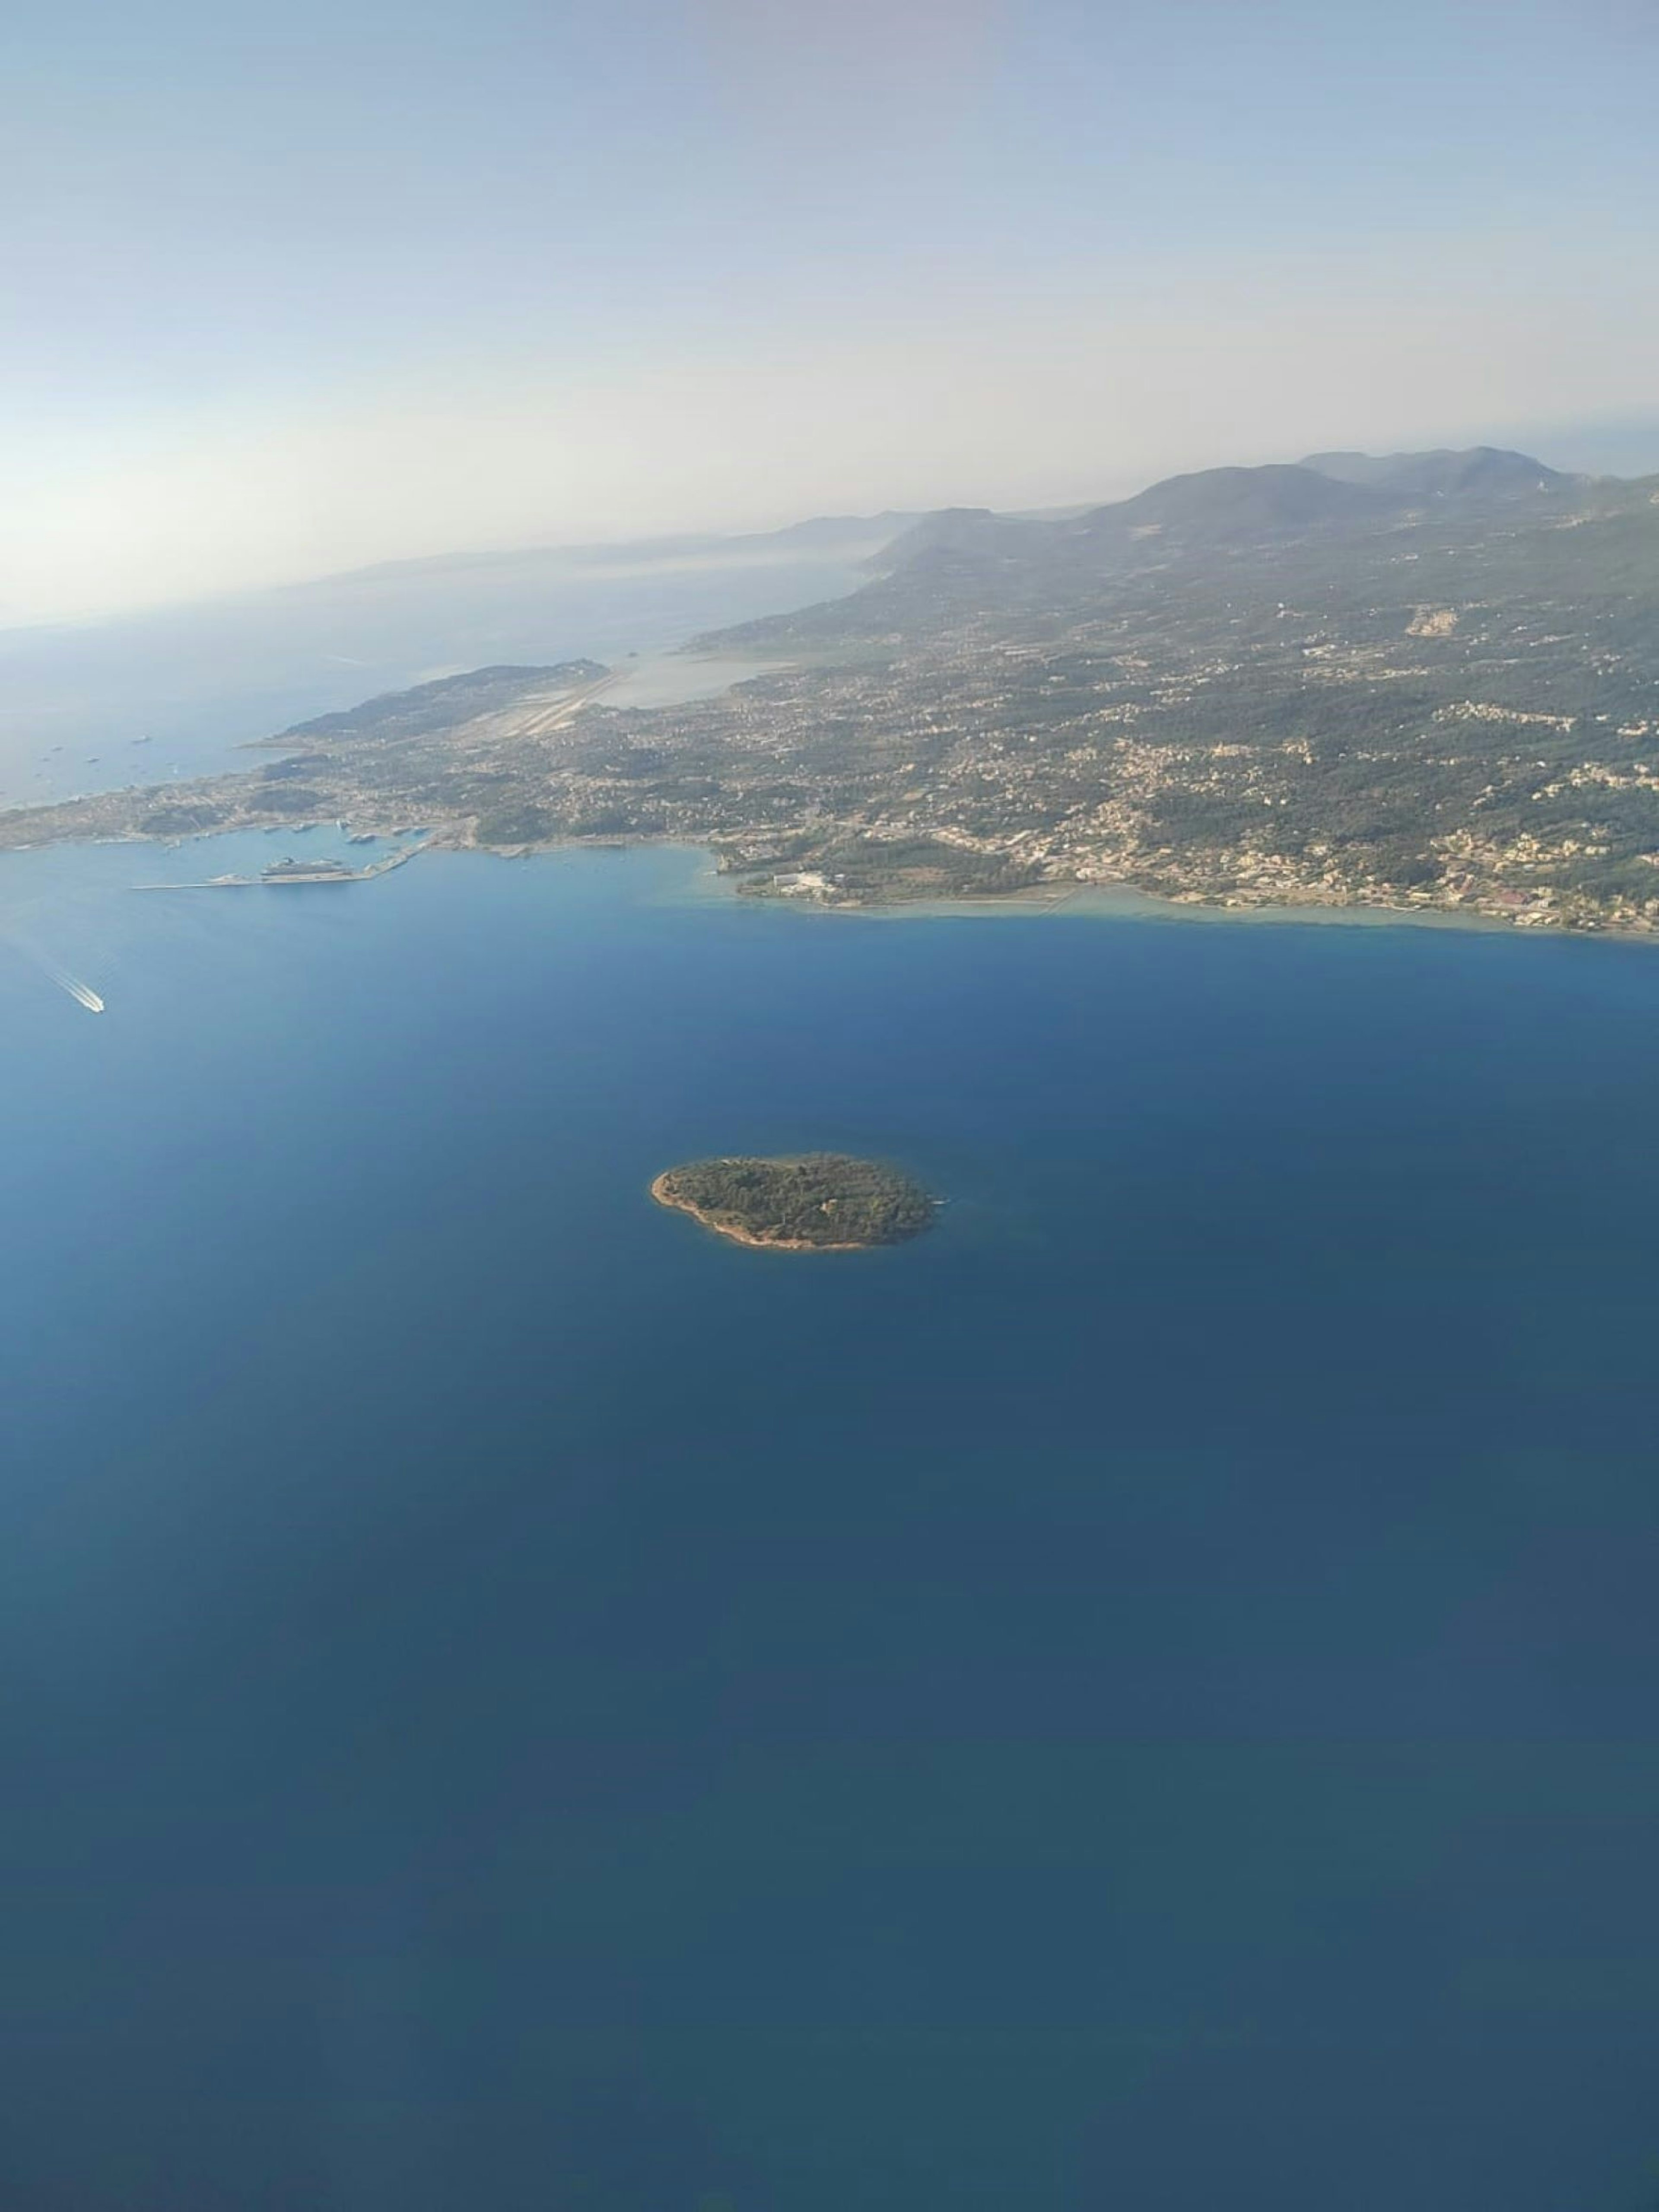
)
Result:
{"points": [[1146, 1698]]}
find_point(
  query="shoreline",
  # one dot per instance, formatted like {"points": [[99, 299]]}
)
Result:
{"points": [[1081, 901], [1127, 902], [1102, 902]]}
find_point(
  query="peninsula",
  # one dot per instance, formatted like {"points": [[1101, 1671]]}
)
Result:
{"points": [[802, 1202]]}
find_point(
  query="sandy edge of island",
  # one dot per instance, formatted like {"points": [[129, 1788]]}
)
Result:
{"points": [[735, 1235]]}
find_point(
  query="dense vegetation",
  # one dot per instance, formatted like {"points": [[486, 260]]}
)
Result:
{"points": [[827, 1199]]}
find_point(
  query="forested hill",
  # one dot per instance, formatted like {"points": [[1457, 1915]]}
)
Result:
{"points": [[968, 563]]}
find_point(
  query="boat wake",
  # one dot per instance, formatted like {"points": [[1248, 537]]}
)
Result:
{"points": [[22, 941], [82, 994]]}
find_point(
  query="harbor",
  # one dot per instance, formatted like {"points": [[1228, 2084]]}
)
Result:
{"points": [[282, 874]]}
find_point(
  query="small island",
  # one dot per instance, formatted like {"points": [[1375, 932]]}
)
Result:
{"points": [[803, 1202]]}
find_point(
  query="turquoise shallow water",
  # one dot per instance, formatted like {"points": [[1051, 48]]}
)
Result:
{"points": [[1145, 1696]]}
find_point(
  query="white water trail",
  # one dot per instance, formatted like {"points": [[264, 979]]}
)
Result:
{"points": [[82, 994]]}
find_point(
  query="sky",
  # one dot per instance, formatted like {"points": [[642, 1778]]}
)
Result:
{"points": [[284, 291]]}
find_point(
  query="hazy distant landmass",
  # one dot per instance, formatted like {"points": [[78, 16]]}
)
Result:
{"points": [[1421, 680], [806, 1202], [201, 681], [842, 537]]}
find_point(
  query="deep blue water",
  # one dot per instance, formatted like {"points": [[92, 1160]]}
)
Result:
{"points": [[1147, 1698]]}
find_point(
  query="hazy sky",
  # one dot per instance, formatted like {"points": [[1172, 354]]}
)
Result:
{"points": [[286, 290]]}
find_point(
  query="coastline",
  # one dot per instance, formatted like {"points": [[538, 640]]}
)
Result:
{"points": [[1127, 902], [1074, 901], [1101, 901]]}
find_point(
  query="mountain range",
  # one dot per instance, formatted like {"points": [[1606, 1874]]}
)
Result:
{"points": [[964, 562]]}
